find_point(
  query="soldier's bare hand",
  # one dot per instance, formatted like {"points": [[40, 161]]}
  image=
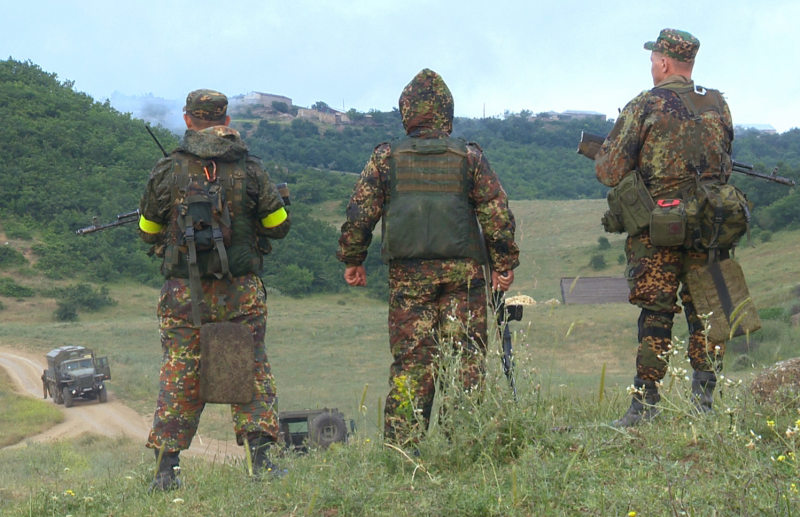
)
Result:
{"points": [[355, 276], [502, 281]]}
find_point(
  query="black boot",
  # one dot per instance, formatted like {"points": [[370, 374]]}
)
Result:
{"points": [[642, 405], [259, 446], [703, 384], [167, 471]]}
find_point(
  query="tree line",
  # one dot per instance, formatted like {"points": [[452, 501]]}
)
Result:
{"points": [[68, 158]]}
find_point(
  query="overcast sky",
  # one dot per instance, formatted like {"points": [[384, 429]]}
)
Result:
{"points": [[495, 55]]}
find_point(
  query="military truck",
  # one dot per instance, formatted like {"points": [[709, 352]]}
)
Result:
{"points": [[74, 372], [312, 428]]}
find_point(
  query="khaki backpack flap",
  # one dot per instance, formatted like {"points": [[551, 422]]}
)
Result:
{"points": [[227, 363], [720, 289]]}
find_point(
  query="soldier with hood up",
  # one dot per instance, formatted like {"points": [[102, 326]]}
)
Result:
{"points": [[438, 198], [209, 208]]}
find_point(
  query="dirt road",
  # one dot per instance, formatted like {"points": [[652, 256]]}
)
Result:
{"points": [[110, 419]]}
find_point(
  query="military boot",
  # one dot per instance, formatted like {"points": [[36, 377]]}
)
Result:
{"points": [[259, 446], [703, 384], [167, 471], [642, 404]]}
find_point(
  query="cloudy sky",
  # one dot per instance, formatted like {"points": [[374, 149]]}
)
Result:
{"points": [[495, 55]]}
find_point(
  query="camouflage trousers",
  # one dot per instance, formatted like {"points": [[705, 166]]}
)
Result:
{"points": [[422, 318], [655, 275], [178, 409]]}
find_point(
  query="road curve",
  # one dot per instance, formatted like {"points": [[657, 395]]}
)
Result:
{"points": [[112, 419]]}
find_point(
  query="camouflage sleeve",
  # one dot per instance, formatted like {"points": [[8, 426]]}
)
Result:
{"points": [[494, 215], [620, 152], [365, 208], [727, 120], [264, 200], [155, 204]]}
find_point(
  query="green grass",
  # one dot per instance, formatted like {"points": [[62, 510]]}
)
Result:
{"points": [[22, 416], [502, 459]]}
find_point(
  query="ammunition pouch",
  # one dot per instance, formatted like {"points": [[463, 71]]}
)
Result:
{"points": [[227, 363], [629, 206], [720, 290], [718, 215], [668, 223]]}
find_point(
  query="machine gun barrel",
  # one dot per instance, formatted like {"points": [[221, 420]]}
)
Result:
{"points": [[743, 168], [122, 219]]}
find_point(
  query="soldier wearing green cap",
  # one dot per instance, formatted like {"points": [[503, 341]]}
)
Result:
{"points": [[675, 136], [209, 209], [431, 191]]}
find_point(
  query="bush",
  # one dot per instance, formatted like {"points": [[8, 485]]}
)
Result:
{"points": [[66, 311], [2, 306], [597, 262], [10, 257], [603, 244], [83, 296], [8, 287], [280, 107], [766, 236], [621, 259], [17, 230]]}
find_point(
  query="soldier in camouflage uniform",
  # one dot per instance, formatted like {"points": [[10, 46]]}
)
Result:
{"points": [[428, 189], [673, 144], [258, 214]]}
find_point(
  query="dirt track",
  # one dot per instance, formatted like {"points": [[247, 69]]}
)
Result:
{"points": [[110, 419]]}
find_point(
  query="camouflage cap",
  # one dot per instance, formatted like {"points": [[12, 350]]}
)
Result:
{"points": [[206, 105], [676, 44]]}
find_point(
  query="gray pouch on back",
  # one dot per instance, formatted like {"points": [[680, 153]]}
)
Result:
{"points": [[227, 363]]}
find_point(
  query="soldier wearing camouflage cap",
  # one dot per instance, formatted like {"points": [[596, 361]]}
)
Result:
{"points": [[675, 136], [208, 209], [427, 189]]}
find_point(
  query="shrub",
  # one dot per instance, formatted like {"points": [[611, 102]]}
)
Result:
{"points": [[603, 244], [597, 262], [66, 311], [10, 257], [8, 287], [83, 296], [621, 259], [766, 236]]}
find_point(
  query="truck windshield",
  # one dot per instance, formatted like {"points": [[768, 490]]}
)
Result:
{"points": [[77, 365]]}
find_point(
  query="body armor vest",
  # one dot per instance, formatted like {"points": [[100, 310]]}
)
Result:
{"points": [[698, 101], [209, 228], [429, 214]]}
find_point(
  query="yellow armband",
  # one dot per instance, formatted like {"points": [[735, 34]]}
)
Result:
{"points": [[149, 226], [275, 218]]}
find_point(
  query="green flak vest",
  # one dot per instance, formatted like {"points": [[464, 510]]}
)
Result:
{"points": [[429, 214]]}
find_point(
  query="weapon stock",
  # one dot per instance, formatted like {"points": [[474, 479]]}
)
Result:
{"points": [[122, 219], [590, 144]]}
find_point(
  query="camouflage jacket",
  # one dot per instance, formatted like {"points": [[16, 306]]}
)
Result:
{"points": [[224, 144], [487, 196], [650, 136]]}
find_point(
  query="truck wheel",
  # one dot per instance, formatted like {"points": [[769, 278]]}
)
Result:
{"points": [[68, 400], [327, 428], [102, 395], [57, 396]]}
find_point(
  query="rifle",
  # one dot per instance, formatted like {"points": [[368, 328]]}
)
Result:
{"points": [[503, 314], [589, 145], [122, 219]]}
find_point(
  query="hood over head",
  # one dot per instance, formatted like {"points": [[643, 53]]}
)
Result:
{"points": [[426, 103], [219, 142]]}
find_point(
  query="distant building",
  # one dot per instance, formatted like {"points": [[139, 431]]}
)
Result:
{"points": [[761, 128], [327, 116], [579, 115], [258, 99], [568, 115]]}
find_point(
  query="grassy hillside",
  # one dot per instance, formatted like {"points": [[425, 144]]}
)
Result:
{"points": [[502, 458]]}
